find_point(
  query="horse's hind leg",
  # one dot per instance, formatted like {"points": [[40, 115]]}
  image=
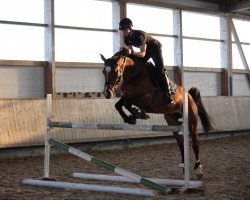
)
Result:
{"points": [[195, 144], [197, 165], [172, 119]]}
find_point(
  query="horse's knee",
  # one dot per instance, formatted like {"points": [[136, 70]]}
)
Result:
{"points": [[178, 137], [127, 105], [119, 104]]}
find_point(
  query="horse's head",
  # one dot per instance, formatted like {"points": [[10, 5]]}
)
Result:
{"points": [[113, 70]]}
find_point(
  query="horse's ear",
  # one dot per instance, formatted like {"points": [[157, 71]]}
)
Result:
{"points": [[103, 58]]}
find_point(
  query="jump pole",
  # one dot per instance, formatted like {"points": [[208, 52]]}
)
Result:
{"points": [[110, 167], [102, 177], [128, 127], [91, 187]]}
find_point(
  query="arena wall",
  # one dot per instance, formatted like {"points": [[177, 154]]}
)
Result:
{"points": [[23, 121]]}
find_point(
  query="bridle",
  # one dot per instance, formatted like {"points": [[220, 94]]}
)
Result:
{"points": [[117, 81]]}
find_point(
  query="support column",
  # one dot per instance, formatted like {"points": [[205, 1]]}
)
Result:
{"points": [[49, 40], [123, 14], [178, 47], [226, 56], [116, 20]]}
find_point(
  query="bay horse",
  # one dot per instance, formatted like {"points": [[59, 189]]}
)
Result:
{"points": [[138, 88]]}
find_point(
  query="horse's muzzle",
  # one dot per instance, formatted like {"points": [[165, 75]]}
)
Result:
{"points": [[107, 93]]}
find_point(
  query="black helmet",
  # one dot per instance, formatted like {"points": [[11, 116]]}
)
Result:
{"points": [[125, 23]]}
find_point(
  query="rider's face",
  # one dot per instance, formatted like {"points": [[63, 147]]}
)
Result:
{"points": [[126, 32]]}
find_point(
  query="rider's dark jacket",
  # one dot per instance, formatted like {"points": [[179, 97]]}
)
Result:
{"points": [[137, 38]]}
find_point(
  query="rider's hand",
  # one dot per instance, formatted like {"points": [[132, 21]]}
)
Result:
{"points": [[125, 51]]}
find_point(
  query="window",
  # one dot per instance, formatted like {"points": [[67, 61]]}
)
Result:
{"points": [[21, 42], [237, 62], [155, 20], [201, 53], [200, 25], [22, 10], [82, 46], [87, 13], [151, 19], [243, 31], [167, 50], [198, 51]]}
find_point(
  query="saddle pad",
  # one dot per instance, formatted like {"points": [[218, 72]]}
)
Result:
{"points": [[153, 73], [173, 87]]}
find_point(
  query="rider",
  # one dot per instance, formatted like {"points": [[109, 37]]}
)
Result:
{"points": [[149, 48]]}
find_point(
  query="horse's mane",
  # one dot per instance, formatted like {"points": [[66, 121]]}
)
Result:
{"points": [[132, 57]]}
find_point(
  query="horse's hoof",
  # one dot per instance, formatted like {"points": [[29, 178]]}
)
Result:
{"points": [[130, 120], [199, 172], [181, 165], [199, 176], [143, 115]]}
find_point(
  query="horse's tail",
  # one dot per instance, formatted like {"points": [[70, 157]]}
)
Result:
{"points": [[205, 118]]}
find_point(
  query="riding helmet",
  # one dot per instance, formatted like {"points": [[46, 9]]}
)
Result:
{"points": [[125, 23]]}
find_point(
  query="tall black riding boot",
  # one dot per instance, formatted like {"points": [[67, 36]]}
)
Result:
{"points": [[169, 97], [166, 87]]}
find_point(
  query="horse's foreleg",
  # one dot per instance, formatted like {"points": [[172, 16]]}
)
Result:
{"points": [[136, 112], [126, 118]]}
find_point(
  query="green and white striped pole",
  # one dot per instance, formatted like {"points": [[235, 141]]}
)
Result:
{"points": [[110, 167]]}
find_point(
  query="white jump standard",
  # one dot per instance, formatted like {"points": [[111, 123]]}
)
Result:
{"points": [[125, 176]]}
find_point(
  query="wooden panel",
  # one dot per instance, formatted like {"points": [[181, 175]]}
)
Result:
{"points": [[228, 113], [79, 80], [241, 85], [21, 82], [208, 83], [23, 121]]}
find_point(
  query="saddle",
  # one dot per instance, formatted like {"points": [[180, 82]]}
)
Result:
{"points": [[154, 76]]}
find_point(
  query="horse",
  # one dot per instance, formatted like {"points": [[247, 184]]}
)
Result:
{"points": [[138, 89]]}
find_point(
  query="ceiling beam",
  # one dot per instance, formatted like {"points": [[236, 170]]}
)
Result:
{"points": [[234, 5]]}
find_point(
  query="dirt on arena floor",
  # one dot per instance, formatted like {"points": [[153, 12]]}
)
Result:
{"points": [[226, 164]]}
